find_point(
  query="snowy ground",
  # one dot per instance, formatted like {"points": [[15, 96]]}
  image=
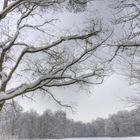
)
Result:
{"points": [[123, 138], [128, 138]]}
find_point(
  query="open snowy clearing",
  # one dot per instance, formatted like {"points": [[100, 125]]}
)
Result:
{"points": [[127, 138], [99, 138]]}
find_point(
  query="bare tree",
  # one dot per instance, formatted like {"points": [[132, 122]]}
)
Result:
{"points": [[127, 47], [51, 61]]}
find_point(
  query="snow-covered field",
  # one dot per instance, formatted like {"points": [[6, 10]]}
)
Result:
{"points": [[127, 138], [121, 138]]}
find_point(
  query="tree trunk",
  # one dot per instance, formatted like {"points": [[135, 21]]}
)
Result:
{"points": [[1, 105]]}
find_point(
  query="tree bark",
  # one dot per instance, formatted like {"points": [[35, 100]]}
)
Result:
{"points": [[5, 4], [1, 105]]}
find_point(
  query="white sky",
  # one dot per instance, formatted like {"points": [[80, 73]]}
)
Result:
{"points": [[105, 98]]}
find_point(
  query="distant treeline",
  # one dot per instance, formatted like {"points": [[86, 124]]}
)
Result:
{"points": [[15, 122]]}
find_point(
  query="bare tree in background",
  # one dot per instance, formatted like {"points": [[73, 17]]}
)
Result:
{"points": [[127, 16], [50, 61]]}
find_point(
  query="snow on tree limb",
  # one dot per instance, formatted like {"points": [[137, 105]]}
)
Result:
{"points": [[24, 88], [57, 63]]}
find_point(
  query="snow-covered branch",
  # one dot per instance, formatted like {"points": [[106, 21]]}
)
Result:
{"points": [[43, 81], [30, 49], [50, 61], [8, 8]]}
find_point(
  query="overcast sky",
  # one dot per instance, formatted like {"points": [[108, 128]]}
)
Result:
{"points": [[94, 101], [103, 100]]}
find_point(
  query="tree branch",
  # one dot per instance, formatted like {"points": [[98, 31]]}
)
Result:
{"points": [[5, 3], [10, 7], [25, 88]]}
